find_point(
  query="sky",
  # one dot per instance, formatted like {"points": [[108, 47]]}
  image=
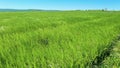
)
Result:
{"points": [[60, 4]]}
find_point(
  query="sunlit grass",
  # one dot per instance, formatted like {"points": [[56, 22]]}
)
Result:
{"points": [[55, 39]]}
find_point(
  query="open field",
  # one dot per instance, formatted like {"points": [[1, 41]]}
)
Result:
{"points": [[63, 39]]}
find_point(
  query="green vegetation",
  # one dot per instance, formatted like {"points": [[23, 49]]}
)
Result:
{"points": [[68, 39], [113, 61]]}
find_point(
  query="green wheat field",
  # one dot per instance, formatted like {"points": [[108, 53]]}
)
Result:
{"points": [[59, 39]]}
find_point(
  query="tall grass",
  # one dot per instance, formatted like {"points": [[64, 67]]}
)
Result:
{"points": [[69, 39], [113, 61]]}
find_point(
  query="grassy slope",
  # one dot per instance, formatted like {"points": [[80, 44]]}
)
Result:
{"points": [[55, 39], [113, 61]]}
